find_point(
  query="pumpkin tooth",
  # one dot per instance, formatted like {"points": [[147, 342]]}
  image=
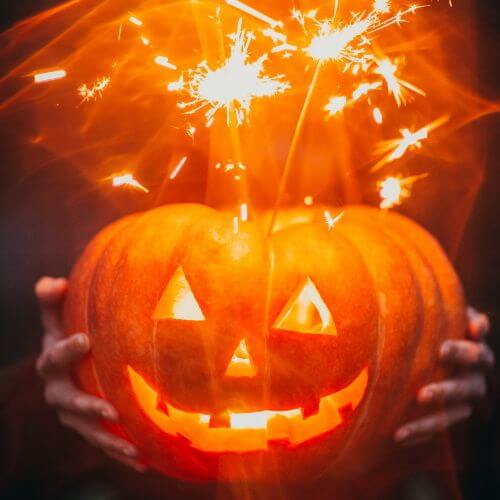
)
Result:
{"points": [[219, 421], [162, 406], [310, 409]]}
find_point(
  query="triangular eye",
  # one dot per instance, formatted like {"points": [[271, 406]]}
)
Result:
{"points": [[306, 312], [178, 301], [241, 364]]}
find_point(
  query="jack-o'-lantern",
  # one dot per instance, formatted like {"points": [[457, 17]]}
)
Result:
{"points": [[233, 354]]}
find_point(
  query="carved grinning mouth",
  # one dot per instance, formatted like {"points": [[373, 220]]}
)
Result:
{"points": [[252, 431]]}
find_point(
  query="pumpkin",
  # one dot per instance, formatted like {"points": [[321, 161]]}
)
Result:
{"points": [[237, 355]]}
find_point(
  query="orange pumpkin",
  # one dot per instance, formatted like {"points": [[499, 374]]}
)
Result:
{"points": [[236, 355]]}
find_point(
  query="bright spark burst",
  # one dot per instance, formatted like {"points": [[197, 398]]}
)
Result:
{"points": [[233, 86], [393, 190], [49, 76], [129, 180], [396, 148], [95, 90], [335, 44], [332, 221], [348, 43], [395, 86]]}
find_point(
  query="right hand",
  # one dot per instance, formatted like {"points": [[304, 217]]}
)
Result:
{"points": [[80, 411]]}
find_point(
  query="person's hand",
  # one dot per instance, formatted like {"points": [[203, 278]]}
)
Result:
{"points": [[455, 396], [80, 411]]}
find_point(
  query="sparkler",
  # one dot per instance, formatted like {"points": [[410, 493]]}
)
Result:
{"points": [[233, 86], [396, 148]]}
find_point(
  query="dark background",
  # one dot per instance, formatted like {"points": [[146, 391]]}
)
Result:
{"points": [[36, 238]]}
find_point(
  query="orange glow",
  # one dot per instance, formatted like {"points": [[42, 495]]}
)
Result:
{"points": [[241, 364], [306, 312], [178, 301], [49, 76], [250, 431]]}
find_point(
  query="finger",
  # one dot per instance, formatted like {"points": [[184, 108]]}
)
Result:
{"points": [[62, 355], [467, 354], [50, 294], [66, 397], [461, 389], [98, 436], [130, 462], [479, 324], [415, 441], [434, 423]]}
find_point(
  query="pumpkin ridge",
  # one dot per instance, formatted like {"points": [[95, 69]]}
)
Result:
{"points": [[366, 227]]}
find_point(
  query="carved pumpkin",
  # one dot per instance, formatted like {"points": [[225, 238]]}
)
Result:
{"points": [[240, 356]]}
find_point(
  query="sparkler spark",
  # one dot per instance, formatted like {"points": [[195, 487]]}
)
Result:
{"points": [[163, 61], [254, 12], [383, 6], [393, 190], [49, 76], [332, 221], [178, 168], [377, 115], [95, 90], [233, 86], [335, 105], [334, 44], [135, 20], [396, 148], [129, 180], [395, 85]]}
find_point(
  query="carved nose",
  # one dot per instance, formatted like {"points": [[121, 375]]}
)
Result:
{"points": [[241, 364]]}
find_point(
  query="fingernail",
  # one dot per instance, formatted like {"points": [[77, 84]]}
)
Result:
{"points": [[402, 434], [108, 414], [445, 350], [129, 451], [81, 340], [426, 395]]}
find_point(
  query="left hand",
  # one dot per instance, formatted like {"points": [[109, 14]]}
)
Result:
{"points": [[457, 394]]}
